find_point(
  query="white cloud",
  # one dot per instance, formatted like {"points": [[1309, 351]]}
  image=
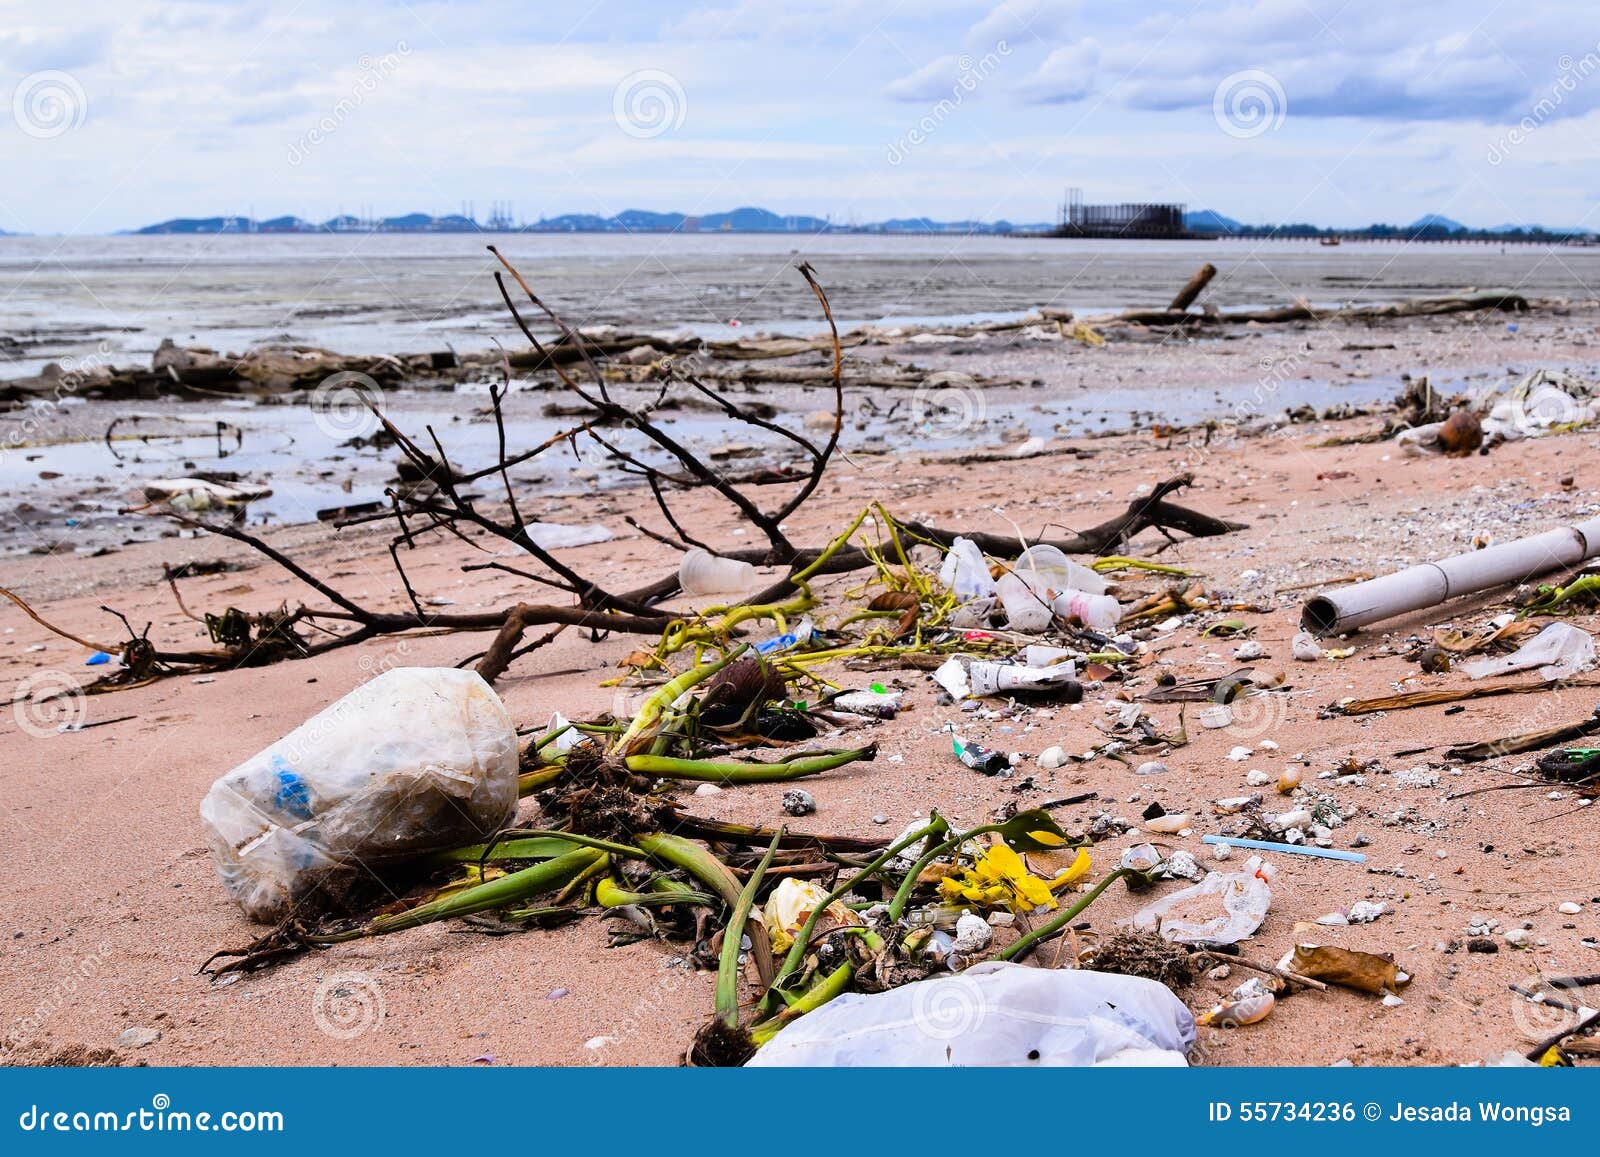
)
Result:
{"points": [[1066, 75], [930, 82]]}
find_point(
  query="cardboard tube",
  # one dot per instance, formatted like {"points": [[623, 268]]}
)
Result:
{"points": [[1431, 583]]}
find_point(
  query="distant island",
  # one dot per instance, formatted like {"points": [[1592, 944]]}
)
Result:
{"points": [[743, 220], [1204, 224]]}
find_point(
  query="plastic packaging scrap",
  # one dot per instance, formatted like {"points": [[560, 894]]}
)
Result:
{"points": [[703, 573], [1224, 908], [1560, 651], [788, 641], [1543, 401], [873, 702], [983, 759], [995, 1014], [966, 678], [416, 760], [966, 576], [557, 535]]}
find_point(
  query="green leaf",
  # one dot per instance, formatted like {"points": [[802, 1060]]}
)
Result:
{"points": [[1034, 830]]}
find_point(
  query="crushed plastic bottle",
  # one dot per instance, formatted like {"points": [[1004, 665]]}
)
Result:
{"points": [[416, 760], [1097, 612]]}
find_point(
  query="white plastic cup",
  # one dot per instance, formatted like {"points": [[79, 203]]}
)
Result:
{"points": [[1059, 571], [704, 573], [1025, 610]]}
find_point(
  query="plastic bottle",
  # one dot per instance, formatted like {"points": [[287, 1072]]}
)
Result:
{"points": [[1097, 612]]}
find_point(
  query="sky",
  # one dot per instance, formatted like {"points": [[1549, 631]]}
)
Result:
{"points": [[1337, 112]]}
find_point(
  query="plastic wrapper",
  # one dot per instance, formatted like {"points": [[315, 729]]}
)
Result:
{"points": [[416, 760], [1560, 651], [1224, 908]]}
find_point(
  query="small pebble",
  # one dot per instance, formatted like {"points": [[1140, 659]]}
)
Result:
{"points": [[137, 1037]]}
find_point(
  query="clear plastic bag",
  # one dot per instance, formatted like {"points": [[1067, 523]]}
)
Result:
{"points": [[1224, 908], [416, 760]]}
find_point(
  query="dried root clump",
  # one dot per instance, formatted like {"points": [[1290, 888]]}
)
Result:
{"points": [[1143, 954]]}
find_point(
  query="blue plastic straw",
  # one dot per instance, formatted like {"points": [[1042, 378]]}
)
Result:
{"points": [[1296, 849]]}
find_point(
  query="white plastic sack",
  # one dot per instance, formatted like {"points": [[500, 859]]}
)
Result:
{"points": [[994, 1013], [1560, 651], [416, 760]]}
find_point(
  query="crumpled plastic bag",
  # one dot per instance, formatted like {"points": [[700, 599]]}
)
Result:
{"points": [[416, 760], [1224, 908], [994, 1013], [1560, 651]]}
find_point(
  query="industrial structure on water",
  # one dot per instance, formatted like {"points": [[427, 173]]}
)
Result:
{"points": [[1141, 219]]}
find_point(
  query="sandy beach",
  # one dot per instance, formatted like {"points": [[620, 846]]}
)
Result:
{"points": [[113, 904]]}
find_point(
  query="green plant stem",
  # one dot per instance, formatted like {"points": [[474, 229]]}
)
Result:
{"points": [[729, 771], [534, 881], [727, 997], [797, 950]]}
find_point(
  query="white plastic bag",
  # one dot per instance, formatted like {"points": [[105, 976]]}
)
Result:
{"points": [[1224, 908], [413, 761], [964, 573], [994, 1013], [1560, 651]]}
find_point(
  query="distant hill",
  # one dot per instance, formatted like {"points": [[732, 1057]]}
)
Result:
{"points": [[1210, 221], [751, 219], [1430, 222]]}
